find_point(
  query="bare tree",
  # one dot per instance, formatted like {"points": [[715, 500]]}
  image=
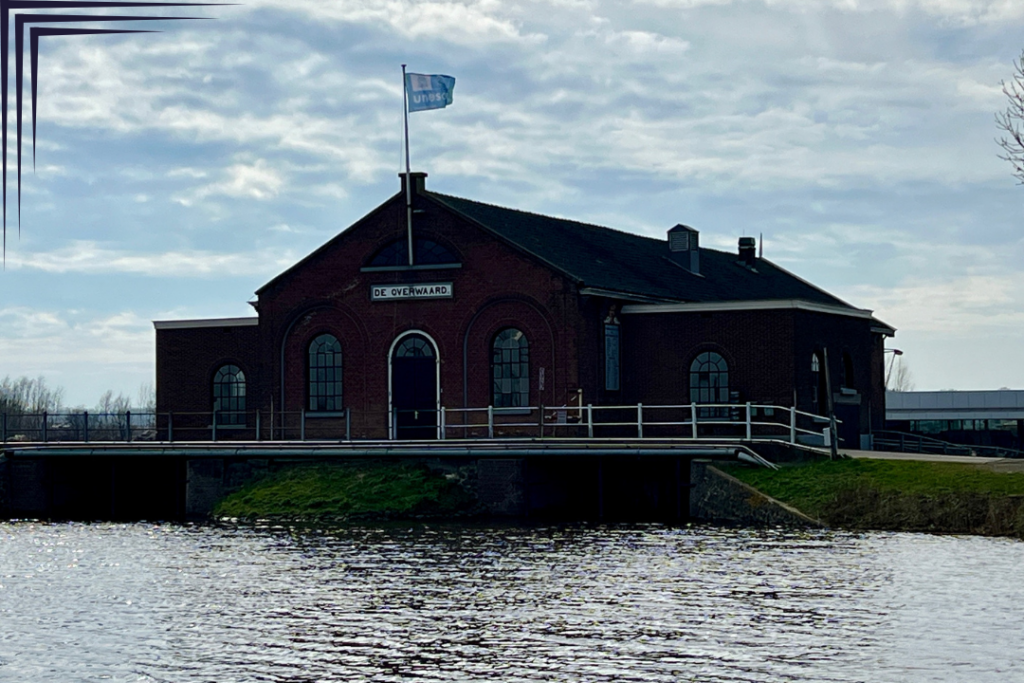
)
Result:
{"points": [[900, 379], [1011, 121]]}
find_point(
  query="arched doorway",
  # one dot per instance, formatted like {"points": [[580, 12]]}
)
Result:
{"points": [[415, 399]]}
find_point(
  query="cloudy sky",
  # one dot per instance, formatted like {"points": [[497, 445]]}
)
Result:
{"points": [[178, 172]]}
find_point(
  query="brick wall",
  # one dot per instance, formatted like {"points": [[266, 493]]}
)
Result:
{"points": [[496, 287], [186, 362]]}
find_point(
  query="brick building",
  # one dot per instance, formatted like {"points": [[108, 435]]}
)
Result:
{"points": [[509, 309]]}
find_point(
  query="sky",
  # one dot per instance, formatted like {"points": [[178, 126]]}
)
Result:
{"points": [[177, 172]]}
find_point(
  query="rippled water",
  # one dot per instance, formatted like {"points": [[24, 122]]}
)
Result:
{"points": [[90, 602]]}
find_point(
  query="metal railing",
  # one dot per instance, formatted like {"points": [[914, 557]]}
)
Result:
{"points": [[80, 426], [906, 442], [749, 422]]}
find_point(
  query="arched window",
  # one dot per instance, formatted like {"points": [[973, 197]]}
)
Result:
{"points": [[229, 395], [510, 368], [325, 374], [709, 383], [414, 346], [428, 252]]}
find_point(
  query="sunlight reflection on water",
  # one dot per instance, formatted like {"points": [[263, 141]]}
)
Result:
{"points": [[83, 602]]}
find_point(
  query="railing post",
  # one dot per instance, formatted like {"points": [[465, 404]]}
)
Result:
{"points": [[257, 424], [442, 424], [302, 424], [792, 425], [541, 420], [85, 415], [639, 420], [590, 421], [748, 421], [45, 420], [490, 422], [693, 419], [128, 426], [170, 427], [215, 425], [348, 424]]}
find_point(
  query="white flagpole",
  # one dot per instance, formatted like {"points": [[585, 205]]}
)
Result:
{"points": [[408, 173]]}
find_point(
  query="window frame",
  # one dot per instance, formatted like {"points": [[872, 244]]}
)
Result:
{"points": [[230, 386], [612, 357], [505, 359], [319, 397], [697, 388]]}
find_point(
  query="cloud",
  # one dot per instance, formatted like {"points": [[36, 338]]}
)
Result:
{"points": [[93, 354], [90, 258], [974, 306], [479, 23], [257, 180]]}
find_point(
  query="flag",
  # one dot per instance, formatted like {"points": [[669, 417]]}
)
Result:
{"points": [[428, 91]]}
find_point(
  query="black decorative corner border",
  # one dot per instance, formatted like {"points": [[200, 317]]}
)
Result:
{"points": [[37, 32]]}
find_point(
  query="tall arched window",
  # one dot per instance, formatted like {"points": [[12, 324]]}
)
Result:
{"points": [[709, 383], [325, 374], [510, 368], [229, 395]]}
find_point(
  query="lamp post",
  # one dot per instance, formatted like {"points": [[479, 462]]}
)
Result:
{"points": [[888, 374]]}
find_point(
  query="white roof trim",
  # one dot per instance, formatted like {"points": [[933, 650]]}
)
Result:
{"points": [[205, 322], [772, 304], [615, 294]]}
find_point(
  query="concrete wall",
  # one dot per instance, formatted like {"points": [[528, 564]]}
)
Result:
{"points": [[718, 497]]}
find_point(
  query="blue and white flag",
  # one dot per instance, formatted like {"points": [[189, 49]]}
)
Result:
{"points": [[428, 91]]}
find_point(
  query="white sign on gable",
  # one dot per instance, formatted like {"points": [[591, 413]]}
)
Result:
{"points": [[429, 290]]}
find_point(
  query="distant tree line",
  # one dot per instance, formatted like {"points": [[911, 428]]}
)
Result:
{"points": [[25, 401], [26, 395]]}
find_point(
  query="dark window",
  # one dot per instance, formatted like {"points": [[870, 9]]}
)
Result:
{"points": [[611, 357], [229, 396], [414, 347], [848, 371], [325, 374], [709, 383], [510, 368], [428, 252]]}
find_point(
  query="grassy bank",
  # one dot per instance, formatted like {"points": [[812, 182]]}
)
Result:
{"points": [[899, 495], [345, 492]]}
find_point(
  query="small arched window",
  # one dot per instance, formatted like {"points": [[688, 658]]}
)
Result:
{"points": [[510, 369], [325, 374], [709, 383], [229, 395]]}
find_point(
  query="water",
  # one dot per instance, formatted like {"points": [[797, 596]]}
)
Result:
{"points": [[107, 602]]}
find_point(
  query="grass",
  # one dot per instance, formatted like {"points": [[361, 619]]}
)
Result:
{"points": [[350, 491], [898, 495]]}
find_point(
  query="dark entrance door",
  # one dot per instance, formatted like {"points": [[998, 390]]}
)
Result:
{"points": [[414, 388]]}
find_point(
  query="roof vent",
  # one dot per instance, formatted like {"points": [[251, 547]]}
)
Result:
{"points": [[683, 238], [748, 250]]}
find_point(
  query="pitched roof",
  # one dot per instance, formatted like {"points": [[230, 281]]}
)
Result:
{"points": [[630, 264]]}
